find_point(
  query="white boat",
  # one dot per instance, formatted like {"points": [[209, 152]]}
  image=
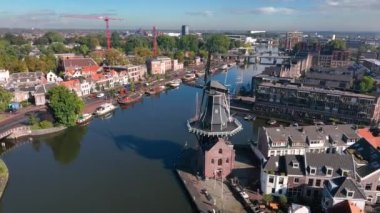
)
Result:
{"points": [[175, 83], [272, 122], [84, 119], [189, 77], [104, 109], [248, 117], [224, 67]]}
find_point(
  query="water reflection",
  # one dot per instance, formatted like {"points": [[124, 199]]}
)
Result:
{"points": [[152, 149], [66, 148]]}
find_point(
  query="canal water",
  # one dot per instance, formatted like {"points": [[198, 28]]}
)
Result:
{"points": [[120, 164]]}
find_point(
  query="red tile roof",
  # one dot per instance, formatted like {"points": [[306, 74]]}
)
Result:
{"points": [[367, 134], [71, 84], [72, 63], [346, 207]]}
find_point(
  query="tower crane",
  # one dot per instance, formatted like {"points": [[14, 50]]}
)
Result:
{"points": [[104, 18]]}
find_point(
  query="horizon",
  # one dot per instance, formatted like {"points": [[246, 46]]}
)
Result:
{"points": [[213, 15]]}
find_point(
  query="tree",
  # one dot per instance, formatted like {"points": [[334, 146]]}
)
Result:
{"points": [[283, 200], [134, 42], [366, 84], [115, 40], [202, 53], [65, 105], [336, 44], [133, 85], [5, 98], [57, 47], [217, 43], [166, 43], [143, 52], [189, 43], [180, 56], [267, 198], [115, 57]]}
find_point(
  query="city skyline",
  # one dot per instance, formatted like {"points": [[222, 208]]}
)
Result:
{"points": [[270, 15]]}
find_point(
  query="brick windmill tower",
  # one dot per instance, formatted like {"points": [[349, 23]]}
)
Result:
{"points": [[212, 127]]}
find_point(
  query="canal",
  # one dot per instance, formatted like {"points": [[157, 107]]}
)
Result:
{"points": [[120, 164]]}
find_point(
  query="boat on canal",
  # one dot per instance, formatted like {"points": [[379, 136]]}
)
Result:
{"points": [[223, 67], [189, 77], [200, 73], [272, 122], [155, 90], [129, 98], [104, 109], [84, 119], [174, 83]]}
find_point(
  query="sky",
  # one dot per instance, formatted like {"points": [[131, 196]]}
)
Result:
{"points": [[269, 15]]}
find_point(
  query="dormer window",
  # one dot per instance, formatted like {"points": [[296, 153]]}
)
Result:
{"points": [[313, 170], [349, 193], [344, 173], [329, 171], [296, 165]]}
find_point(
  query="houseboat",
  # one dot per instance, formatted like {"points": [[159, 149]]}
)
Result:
{"points": [[104, 109], [189, 77], [129, 98], [84, 119]]}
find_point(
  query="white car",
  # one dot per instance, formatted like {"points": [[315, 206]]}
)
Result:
{"points": [[244, 195], [100, 95]]}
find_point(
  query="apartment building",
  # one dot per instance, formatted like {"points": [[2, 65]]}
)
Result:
{"points": [[372, 64], [334, 60], [303, 175], [302, 102], [279, 141], [292, 38]]}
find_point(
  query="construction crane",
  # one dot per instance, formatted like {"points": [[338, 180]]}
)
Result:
{"points": [[155, 49], [104, 18]]}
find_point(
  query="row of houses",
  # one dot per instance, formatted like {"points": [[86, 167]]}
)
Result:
{"points": [[334, 164], [313, 102]]}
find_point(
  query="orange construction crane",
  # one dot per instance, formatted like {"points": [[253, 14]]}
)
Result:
{"points": [[104, 18]]}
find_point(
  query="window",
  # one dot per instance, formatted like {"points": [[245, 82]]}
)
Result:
{"points": [[318, 182], [350, 193], [296, 180], [271, 179], [220, 162], [281, 180], [220, 151], [368, 186], [310, 183], [227, 160], [273, 190], [369, 198], [280, 191], [378, 188], [329, 171], [313, 170], [212, 161], [308, 192], [296, 165]]}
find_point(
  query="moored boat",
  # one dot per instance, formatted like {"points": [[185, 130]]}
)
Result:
{"points": [[84, 119], [130, 98], [174, 83], [189, 77], [272, 122], [224, 67], [200, 74], [104, 109], [155, 90]]}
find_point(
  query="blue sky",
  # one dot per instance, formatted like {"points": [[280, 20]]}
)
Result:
{"points": [[345, 15]]}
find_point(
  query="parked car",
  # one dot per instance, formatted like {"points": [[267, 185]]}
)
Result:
{"points": [[244, 195], [100, 95]]}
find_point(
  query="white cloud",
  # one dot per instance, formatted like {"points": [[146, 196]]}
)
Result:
{"points": [[273, 10], [353, 4], [205, 13]]}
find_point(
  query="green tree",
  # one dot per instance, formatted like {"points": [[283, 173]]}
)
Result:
{"points": [[57, 47], [134, 42], [166, 43], [133, 85], [189, 43], [65, 105], [5, 98], [45, 124], [116, 57], [180, 56], [336, 44], [267, 198], [283, 200], [115, 40], [143, 52], [203, 53], [217, 43], [366, 84]]}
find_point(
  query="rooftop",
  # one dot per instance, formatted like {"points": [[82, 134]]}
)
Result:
{"points": [[373, 61], [322, 161], [339, 186], [372, 137]]}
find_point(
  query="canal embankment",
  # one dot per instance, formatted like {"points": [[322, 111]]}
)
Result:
{"points": [[4, 175]]}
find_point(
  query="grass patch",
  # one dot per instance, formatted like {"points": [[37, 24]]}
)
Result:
{"points": [[3, 169]]}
